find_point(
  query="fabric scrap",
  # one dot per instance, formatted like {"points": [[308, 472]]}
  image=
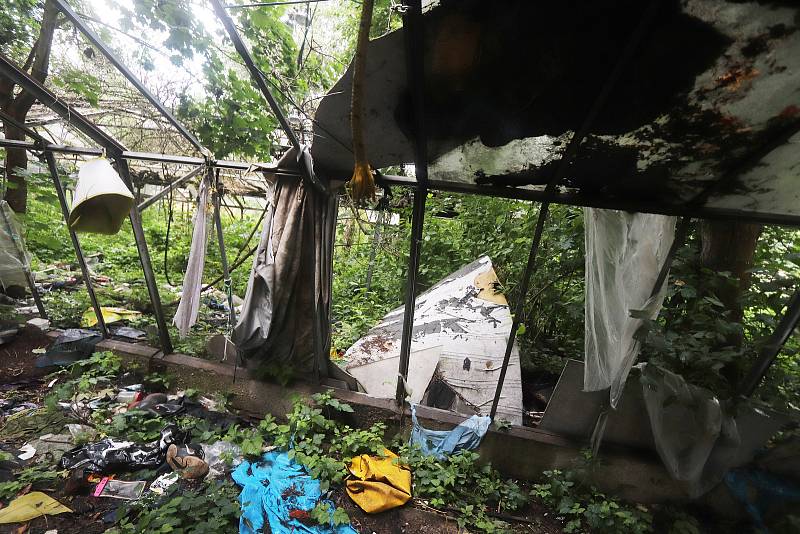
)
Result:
{"points": [[189, 306], [30, 506], [439, 443], [379, 483], [110, 315], [278, 489]]}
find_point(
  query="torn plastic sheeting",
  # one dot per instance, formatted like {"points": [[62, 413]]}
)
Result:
{"points": [[624, 255], [119, 489], [110, 455], [14, 258], [186, 314], [697, 437], [30, 506], [276, 487], [467, 435], [379, 484], [221, 457], [73, 345]]}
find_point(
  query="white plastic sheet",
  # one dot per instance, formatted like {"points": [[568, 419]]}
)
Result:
{"points": [[14, 258], [186, 315], [624, 254]]}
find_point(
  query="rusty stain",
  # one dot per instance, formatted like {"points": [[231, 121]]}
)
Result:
{"points": [[734, 78]]}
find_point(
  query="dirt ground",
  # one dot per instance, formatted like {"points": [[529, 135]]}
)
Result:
{"points": [[19, 378]]}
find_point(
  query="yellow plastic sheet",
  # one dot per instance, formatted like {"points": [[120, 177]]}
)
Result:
{"points": [[110, 315], [30, 506], [378, 484]]}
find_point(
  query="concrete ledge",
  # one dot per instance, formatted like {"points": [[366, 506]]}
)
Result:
{"points": [[520, 452]]}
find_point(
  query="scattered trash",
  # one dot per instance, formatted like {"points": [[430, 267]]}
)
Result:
{"points": [[466, 436], [7, 335], [119, 489], [110, 315], [30, 506], [28, 452], [73, 345], [159, 404], [160, 485], [188, 461], [38, 323], [277, 487], [128, 332], [221, 457], [110, 455], [380, 484], [54, 445], [759, 491]]}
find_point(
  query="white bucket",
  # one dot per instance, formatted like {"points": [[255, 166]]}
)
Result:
{"points": [[102, 200]]}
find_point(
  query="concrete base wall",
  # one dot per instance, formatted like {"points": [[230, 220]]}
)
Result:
{"points": [[520, 452]]}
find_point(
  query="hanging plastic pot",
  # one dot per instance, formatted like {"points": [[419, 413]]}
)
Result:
{"points": [[102, 200]]}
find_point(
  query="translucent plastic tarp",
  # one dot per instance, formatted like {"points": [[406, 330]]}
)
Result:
{"points": [[624, 254], [14, 258]]}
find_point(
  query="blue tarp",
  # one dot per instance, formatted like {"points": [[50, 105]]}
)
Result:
{"points": [[275, 487], [466, 436]]}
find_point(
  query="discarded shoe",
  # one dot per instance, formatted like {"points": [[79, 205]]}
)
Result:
{"points": [[187, 461]]}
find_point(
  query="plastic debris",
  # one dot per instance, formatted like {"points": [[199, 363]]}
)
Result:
{"points": [[279, 488], [73, 345], [119, 489], [160, 485], [28, 452], [110, 315], [111, 455], [759, 491], [221, 457], [188, 461], [439, 443], [379, 484], [30, 506], [50, 444], [128, 332]]}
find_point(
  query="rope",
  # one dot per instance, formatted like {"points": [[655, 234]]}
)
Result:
{"points": [[166, 241]]}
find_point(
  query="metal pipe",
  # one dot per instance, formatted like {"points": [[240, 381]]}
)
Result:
{"points": [[87, 277], [414, 49], [109, 54], [147, 266], [155, 198], [260, 82], [226, 276], [561, 171], [267, 4], [770, 350]]}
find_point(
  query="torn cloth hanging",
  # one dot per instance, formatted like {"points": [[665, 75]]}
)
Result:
{"points": [[624, 254], [186, 315], [285, 315]]}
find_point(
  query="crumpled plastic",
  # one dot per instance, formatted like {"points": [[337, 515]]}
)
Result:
{"points": [[111, 455], [15, 260], [379, 484], [73, 345], [276, 487], [30, 506], [439, 443], [221, 456], [110, 315], [759, 491]]}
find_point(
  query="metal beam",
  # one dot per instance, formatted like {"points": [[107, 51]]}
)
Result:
{"points": [[177, 183], [561, 171], [770, 350], [268, 4], [226, 275], [93, 38], [261, 84], [414, 34], [76, 244]]}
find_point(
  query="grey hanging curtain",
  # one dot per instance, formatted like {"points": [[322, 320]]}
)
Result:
{"points": [[285, 318]]}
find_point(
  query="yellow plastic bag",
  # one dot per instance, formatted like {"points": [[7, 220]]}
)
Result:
{"points": [[30, 506], [110, 315], [379, 484]]}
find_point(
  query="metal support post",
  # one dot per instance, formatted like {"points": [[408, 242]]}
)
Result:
{"points": [[214, 179], [147, 266], [87, 278], [773, 346], [415, 48]]}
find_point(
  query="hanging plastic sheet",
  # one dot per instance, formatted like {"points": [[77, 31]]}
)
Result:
{"points": [[186, 315], [624, 254], [439, 443], [14, 259], [378, 483], [697, 437], [278, 489]]}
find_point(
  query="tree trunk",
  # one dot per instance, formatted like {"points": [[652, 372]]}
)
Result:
{"points": [[730, 246], [39, 62]]}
